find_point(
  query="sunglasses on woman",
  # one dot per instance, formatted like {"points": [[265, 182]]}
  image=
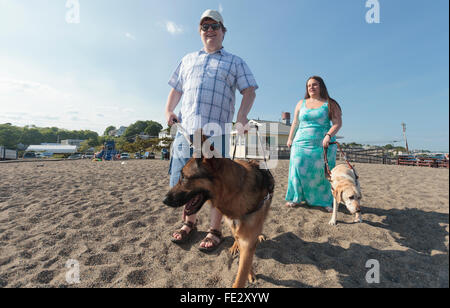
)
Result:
{"points": [[215, 27]]}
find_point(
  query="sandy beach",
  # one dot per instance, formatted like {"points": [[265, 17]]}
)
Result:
{"points": [[109, 217]]}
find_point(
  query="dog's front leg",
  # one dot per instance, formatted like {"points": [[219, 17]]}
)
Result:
{"points": [[246, 253], [332, 221]]}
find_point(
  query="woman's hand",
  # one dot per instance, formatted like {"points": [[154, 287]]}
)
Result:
{"points": [[326, 141], [289, 143]]}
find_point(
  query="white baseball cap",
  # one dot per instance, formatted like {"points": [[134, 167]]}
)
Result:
{"points": [[213, 15]]}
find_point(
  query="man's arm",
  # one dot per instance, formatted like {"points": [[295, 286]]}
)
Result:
{"points": [[248, 98], [172, 102]]}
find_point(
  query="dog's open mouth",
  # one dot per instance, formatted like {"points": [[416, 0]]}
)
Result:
{"points": [[194, 205]]}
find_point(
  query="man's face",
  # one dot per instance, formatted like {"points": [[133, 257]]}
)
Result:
{"points": [[212, 39]]}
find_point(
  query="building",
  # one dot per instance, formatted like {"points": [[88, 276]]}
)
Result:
{"points": [[53, 148], [272, 140], [120, 131], [75, 142], [117, 132]]}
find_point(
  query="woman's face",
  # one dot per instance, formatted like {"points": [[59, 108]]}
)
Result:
{"points": [[313, 88]]}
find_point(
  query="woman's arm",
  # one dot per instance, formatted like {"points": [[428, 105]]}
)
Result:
{"points": [[337, 124], [294, 125]]}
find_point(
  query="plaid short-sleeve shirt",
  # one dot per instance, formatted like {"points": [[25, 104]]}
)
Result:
{"points": [[208, 83]]}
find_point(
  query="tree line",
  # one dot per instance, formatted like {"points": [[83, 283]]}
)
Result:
{"points": [[13, 136]]}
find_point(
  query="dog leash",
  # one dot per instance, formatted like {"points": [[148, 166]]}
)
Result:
{"points": [[191, 145], [269, 195], [327, 168], [256, 124], [182, 131]]}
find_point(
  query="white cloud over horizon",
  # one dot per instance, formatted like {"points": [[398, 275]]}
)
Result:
{"points": [[130, 36], [70, 101], [173, 28]]}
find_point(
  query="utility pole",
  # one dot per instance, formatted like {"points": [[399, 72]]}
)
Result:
{"points": [[404, 136]]}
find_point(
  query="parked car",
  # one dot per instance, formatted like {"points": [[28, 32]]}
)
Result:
{"points": [[151, 155], [137, 156], [124, 156], [74, 156], [29, 155], [88, 156]]}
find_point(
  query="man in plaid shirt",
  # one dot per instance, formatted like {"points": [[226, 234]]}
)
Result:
{"points": [[206, 81]]}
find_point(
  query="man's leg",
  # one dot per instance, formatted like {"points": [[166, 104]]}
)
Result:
{"points": [[216, 224], [180, 156]]}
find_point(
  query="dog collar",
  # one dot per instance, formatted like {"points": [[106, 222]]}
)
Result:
{"points": [[261, 204]]}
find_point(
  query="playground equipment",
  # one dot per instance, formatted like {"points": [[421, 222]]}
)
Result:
{"points": [[108, 152]]}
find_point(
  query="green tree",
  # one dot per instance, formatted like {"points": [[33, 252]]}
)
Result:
{"points": [[9, 135], [108, 129], [150, 128], [153, 128], [31, 136]]}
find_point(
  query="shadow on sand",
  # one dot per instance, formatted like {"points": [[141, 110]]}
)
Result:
{"points": [[419, 232]]}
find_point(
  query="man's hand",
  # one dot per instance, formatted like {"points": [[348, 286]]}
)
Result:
{"points": [[248, 97], [172, 102], [242, 126], [170, 116]]}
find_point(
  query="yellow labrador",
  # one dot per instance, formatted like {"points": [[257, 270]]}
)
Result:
{"points": [[345, 189]]}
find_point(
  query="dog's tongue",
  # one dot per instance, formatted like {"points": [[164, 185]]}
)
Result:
{"points": [[189, 209]]}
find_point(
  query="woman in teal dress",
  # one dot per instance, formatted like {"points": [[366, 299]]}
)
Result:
{"points": [[317, 120]]}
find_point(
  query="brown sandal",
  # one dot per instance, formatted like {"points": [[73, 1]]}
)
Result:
{"points": [[185, 236], [214, 243]]}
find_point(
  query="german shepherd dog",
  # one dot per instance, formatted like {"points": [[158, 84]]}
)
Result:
{"points": [[240, 190]]}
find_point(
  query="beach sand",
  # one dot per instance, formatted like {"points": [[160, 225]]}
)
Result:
{"points": [[109, 218]]}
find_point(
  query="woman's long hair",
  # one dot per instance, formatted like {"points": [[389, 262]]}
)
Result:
{"points": [[334, 108]]}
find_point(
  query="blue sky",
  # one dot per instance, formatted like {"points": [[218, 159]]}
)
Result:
{"points": [[112, 67]]}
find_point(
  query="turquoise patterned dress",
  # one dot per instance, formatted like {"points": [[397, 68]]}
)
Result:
{"points": [[307, 180]]}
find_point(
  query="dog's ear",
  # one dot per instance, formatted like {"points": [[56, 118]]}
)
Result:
{"points": [[213, 163], [337, 193]]}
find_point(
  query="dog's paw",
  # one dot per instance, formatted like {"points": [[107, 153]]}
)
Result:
{"points": [[332, 222], [261, 238], [251, 277]]}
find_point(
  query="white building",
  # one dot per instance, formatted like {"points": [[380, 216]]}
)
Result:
{"points": [[271, 141], [53, 148]]}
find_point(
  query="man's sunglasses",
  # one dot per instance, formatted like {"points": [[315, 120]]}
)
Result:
{"points": [[215, 27]]}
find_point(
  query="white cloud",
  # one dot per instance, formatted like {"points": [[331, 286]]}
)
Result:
{"points": [[9, 85], [130, 36], [173, 28], [33, 95]]}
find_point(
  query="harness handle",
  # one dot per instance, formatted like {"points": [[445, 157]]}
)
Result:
{"points": [[327, 168]]}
